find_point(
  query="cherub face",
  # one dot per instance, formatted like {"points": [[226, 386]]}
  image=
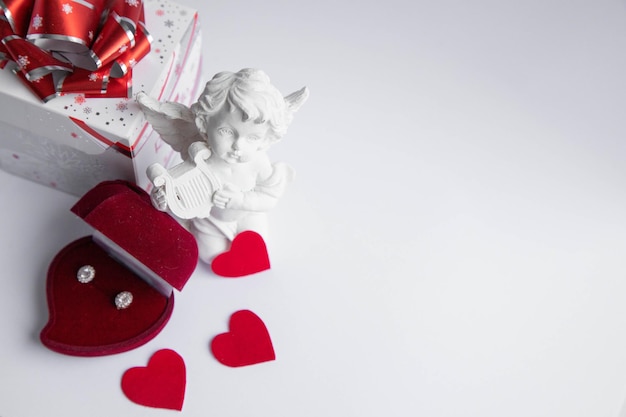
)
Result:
{"points": [[234, 140]]}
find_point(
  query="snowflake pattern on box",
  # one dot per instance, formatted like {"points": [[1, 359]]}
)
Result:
{"points": [[54, 165]]}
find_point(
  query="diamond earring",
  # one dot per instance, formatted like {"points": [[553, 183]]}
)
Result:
{"points": [[123, 300], [85, 274]]}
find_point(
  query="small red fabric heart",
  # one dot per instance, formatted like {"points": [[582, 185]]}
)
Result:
{"points": [[247, 255], [161, 384], [247, 343]]}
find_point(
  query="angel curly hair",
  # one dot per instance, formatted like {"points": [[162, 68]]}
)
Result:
{"points": [[250, 91]]}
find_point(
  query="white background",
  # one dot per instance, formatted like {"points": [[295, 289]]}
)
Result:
{"points": [[454, 244]]}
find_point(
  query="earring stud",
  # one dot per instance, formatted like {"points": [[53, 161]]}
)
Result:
{"points": [[123, 300], [85, 274]]}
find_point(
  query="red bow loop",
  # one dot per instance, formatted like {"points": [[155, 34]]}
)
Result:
{"points": [[86, 81], [17, 13], [33, 62], [119, 32], [129, 59], [65, 25]]}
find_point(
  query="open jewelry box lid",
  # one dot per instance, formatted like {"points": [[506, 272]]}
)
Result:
{"points": [[150, 242], [135, 248]]}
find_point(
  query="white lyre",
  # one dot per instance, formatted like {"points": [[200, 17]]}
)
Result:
{"points": [[188, 186]]}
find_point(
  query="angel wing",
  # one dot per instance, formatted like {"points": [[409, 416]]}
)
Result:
{"points": [[174, 122], [296, 99]]}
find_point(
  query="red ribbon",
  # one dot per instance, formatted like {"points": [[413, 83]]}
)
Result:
{"points": [[73, 46]]}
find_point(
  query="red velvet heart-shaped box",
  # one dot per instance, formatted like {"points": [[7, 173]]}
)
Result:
{"points": [[134, 248]]}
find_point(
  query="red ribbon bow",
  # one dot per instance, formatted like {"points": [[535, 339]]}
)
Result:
{"points": [[73, 46]]}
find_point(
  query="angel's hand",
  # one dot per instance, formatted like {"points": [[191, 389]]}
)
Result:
{"points": [[228, 197], [157, 196]]}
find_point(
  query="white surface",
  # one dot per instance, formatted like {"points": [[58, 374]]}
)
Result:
{"points": [[454, 244]]}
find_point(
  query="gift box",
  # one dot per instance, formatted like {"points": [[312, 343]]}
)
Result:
{"points": [[76, 140], [113, 291]]}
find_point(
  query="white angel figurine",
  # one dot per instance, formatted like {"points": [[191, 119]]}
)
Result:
{"points": [[226, 182]]}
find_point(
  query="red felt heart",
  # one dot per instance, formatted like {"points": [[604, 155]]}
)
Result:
{"points": [[247, 343], [161, 384], [247, 255]]}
